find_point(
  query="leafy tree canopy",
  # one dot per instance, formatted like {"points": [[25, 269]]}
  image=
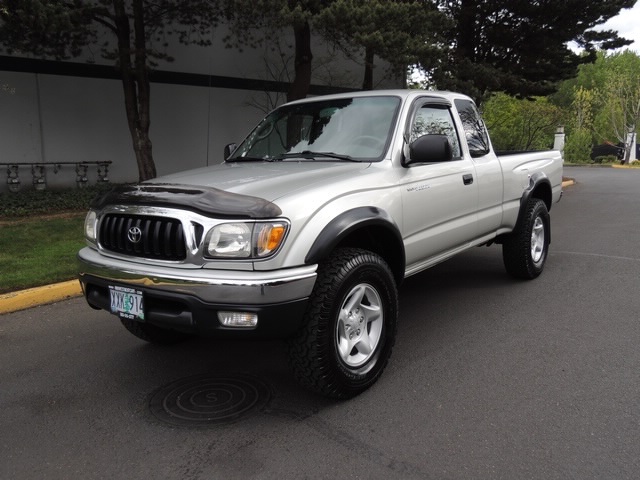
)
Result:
{"points": [[401, 32], [521, 124], [132, 33], [61, 29], [398, 31], [521, 46], [609, 91]]}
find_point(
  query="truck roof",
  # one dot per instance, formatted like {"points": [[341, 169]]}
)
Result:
{"points": [[403, 94]]}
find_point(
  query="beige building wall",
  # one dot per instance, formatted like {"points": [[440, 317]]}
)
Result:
{"points": [[208, 97]]}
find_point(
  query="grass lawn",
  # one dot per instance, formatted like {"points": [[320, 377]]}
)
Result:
{"points": [[39, 250], [41, 233]]}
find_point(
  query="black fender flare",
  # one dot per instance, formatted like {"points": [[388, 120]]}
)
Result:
{"points": [[539, 187], [537, 182], [358, 219]]}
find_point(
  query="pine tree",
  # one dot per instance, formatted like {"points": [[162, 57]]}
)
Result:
{"points": [[401, 32], [397, 31], [521, 46]]}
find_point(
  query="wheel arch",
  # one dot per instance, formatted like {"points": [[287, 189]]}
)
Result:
{"points": [[364, 227], [540, 188]]}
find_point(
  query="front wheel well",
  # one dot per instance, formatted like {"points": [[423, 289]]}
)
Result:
{"points": [[381, 241], [368, 228]]}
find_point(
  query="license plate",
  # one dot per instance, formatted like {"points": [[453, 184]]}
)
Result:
{"points": [[127, 302]]}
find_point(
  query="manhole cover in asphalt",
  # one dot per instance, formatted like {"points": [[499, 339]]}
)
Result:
{"points": [[209, 400]]}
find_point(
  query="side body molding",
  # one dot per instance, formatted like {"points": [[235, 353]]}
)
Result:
{"points": [[365, 227]]}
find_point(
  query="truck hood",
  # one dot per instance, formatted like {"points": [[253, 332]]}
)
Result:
{"points": [[247, 190], [266, 180]]}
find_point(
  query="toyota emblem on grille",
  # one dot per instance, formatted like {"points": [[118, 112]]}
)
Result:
{"points": [[134, 234]]}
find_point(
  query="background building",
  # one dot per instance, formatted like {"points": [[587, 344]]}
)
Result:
{"points": [[58, 113]]}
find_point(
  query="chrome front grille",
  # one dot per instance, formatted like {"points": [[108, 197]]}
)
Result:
{"points": [[143, 236]]}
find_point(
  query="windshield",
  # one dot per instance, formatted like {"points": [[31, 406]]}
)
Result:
{"points": [[342, 129]]}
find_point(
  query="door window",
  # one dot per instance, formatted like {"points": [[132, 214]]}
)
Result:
{"points": [[435, 120], [474, 128]]}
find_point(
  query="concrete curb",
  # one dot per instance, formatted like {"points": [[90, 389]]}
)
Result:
{"points": [[14, 301], [630, 167]]}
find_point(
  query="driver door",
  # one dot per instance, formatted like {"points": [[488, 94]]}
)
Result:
{"points": [[439, 198]]}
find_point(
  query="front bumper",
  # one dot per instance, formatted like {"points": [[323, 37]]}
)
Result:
{"points": [[188, 299]]}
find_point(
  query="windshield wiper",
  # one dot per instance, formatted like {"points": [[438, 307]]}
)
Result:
{"points": [[308, 154], [250, 159]]}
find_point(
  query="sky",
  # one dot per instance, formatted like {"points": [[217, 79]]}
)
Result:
{"points": [[627, 24]]}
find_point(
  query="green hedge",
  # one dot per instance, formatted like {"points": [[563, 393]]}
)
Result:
{"points": [[34, 202]]}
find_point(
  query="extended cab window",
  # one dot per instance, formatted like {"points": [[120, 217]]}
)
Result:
{"points": [[435, 120], [474, 128]]}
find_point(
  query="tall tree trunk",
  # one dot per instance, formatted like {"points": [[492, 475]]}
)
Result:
{"points": [[146, 165], [299, 88], [135, 84], [466, 37], [465, 54], [367, 83]]}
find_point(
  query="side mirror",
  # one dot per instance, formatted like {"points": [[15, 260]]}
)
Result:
{"points": [[429, 149], [228, 150]]}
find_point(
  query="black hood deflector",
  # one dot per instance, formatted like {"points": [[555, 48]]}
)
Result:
{"points": [[207, 201]]}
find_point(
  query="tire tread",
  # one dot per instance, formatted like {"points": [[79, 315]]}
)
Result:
{"points": [[516, 248], [307, 350]]}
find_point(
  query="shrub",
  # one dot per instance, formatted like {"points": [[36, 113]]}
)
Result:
{"points": [[577, 149], [34, 202]]}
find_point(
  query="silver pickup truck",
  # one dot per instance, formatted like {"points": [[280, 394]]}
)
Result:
{"points": [[310, 225]]}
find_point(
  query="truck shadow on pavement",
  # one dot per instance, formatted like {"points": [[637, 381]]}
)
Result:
{"points": [[207, 382]]}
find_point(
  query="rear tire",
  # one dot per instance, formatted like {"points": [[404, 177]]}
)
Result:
{"points": [[525, 250], [152, 334], [350, 325]]}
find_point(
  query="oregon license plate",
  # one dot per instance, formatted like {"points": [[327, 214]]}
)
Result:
{"points": [[127, 302]]}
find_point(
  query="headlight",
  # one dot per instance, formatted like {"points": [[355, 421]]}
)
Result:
{"points": [[230, 240], [90, 226], [245, 240]]}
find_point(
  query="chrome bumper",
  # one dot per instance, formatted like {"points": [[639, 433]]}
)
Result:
{"points": [[210, 286]]}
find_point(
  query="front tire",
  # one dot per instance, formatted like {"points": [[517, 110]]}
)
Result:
{"points": [[350, 325], [525, 250]]}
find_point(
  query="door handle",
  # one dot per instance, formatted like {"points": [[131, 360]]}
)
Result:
{"points": [[467, 179]]}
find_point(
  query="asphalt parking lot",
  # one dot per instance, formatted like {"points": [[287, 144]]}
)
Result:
{"points": [[490, 378]]}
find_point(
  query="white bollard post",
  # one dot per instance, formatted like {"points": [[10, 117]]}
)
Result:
{"points": [[558, 141], [631, 140]]}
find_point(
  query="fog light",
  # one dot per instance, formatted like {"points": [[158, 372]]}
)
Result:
{"points": [[238, 319]]}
